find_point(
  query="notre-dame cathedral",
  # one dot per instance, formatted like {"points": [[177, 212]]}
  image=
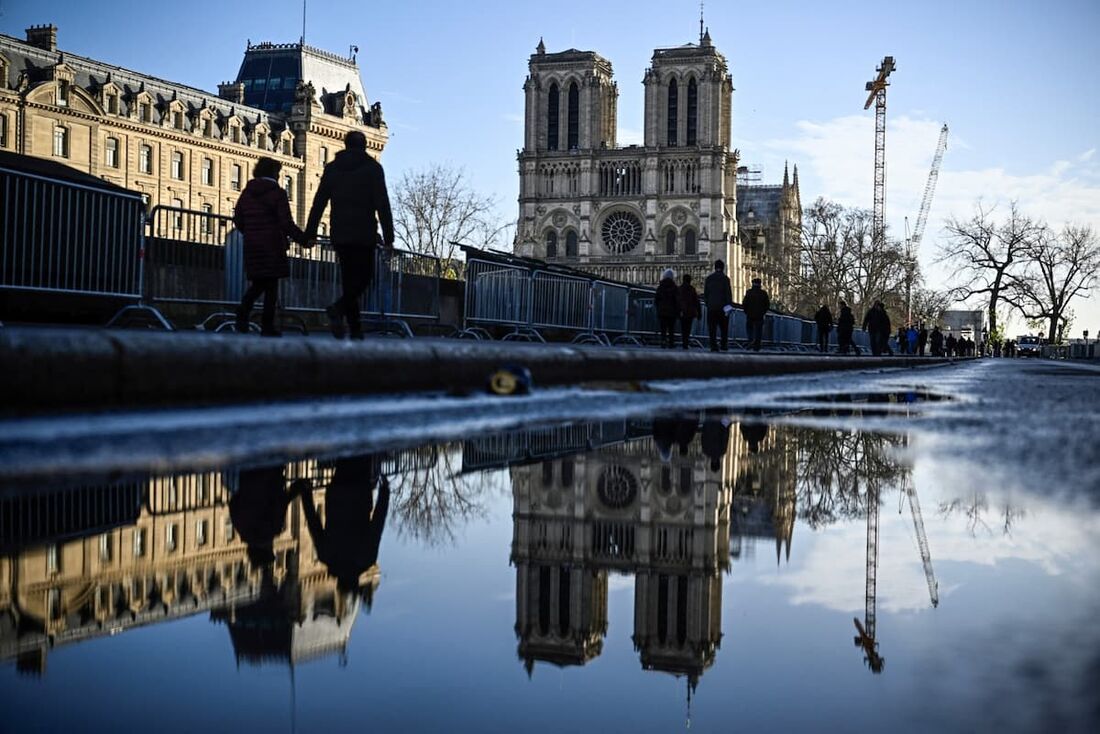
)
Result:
{"points": [[627, 213]]}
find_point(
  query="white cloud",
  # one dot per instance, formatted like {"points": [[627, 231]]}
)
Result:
{"points": [[836, 161], [513, 117], [631, 136]]}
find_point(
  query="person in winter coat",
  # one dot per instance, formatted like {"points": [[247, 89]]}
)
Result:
{"points": [[877, 325], [355, 185], [951, 344], [845, 325], [667, 303], [756, 304], [717, 295], [937, 341], [824, 319], [922, 340], [262, 215], [689, 308]]}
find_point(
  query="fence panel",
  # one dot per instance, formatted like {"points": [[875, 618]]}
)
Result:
{"points": [[497, 294], [561, 301]]}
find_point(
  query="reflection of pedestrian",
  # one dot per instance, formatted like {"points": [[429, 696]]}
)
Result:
{"points": [[824, 320], [348, 541], [845, 325], [689, 308], [258, 511], [356, 187], [664, 435], [715, 438], [756, 304], [685, 433], [754, 434], [262, 214], [666, 301], [717, 295]]}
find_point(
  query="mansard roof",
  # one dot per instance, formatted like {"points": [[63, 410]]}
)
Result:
{"points": [[288, 64]]}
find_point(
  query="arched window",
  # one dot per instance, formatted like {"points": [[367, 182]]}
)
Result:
{"points": [[574, 117], [551, 244], [689, 241], [693, 112], [552, 118], [570, 244], [673, 111], [670, 242]]}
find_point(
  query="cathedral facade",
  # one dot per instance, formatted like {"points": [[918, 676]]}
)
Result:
{"points": [[627, 213]]}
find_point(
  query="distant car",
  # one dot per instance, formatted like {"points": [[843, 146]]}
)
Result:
{"points": [[1029, 346]]}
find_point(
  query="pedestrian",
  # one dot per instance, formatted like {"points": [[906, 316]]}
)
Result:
{"points": [[951, 344], [355, 185], [262, 215], [901, 340], [718, 295], [937, 341], [756, 304], [666, 301], [922, 340], [689, 308], [845, 325], [911, 339], [884, 326], [824, 319], [876, 323]]}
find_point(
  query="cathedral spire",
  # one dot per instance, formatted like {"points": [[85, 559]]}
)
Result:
{"points": [[541, 48], [786, 177], [795, 176], [700, 23]]}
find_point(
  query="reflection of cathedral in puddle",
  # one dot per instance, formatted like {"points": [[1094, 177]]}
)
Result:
{"points": [[90, 562], [760, 470], [620, 509]]}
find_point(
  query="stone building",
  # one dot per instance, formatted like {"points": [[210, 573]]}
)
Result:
{"points": [[180, 146], [628, 213]]}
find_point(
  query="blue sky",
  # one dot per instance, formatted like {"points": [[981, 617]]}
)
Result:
{"points": [[1014, 80]]}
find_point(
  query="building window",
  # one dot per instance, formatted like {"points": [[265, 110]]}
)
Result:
{"points": [[145, 112], [322, 229], [693, 112], [208, 127], [235, 177], [551, 244], [145, 159], [689, 241], [200, 532], [573, 117], [139, 543], [552, 118], [53, 559], [177, 119], [207, 172], [111, 152], [177, 165], [170, 538], [261, 140], [177, 223], [61, 142], [235, 134], [570, 244], [3, 131], [105, 547], [288, 185], [324, 155], [673, 111], [286, 147], [112, 104], [670, 242], [208, 219], [229, 532], [53, 605], [63, 94]]}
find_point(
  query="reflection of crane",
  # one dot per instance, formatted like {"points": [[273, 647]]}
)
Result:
{"points": [[866, 637], [912, 243], [922, 541]]}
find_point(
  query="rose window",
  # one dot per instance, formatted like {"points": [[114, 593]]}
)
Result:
{"points": [[621, 232], [617, 487]]}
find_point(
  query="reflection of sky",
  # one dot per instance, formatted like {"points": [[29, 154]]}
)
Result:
{"points": [[1007, 648]]}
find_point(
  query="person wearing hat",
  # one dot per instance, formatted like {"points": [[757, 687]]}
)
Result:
{"points": [[756, 304], [717, 295]]}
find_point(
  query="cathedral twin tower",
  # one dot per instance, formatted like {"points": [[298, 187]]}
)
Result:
{"points": [[627, 213]]}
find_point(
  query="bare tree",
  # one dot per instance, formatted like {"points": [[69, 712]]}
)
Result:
{"points": [[1060, 266], [436, 207], [929, 305], [431, 498], [986, 254], [837, 259]]}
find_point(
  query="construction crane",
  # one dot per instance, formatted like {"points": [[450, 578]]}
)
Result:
{"points": [[922, 542], [866, 636], [912, 243], [877, 94]]}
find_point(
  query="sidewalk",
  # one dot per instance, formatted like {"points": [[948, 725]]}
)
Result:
{"points": [[51, 369]]}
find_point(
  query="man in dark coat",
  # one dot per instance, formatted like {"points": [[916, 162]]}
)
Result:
{"points": [[824, 319], [262, 215], [688, 299], [877, 325], [717, 295], [937, 341], [756, 304], [845, 325], [922, 340], [951, 343], [666, 301], [348, 541], [355, 185]]}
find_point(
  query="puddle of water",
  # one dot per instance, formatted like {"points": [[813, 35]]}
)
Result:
{"points": [[635, 575]]}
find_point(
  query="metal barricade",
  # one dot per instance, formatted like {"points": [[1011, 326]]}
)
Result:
{"points": [[610, 309], [561, 302], [497, 295], [65, 237]]}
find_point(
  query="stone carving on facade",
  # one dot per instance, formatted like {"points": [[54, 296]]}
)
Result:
{"points": [[559, 219], [679, 216]]}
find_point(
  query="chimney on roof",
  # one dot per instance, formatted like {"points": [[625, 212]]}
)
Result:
{"points": [[232, 91], [43, 37]]}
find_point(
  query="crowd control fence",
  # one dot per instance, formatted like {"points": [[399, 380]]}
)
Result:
{"points": [[197, 259]]}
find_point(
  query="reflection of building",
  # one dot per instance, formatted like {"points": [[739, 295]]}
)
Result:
{"points": [[620, 509], [760, 470], [177, 145], [176, 554]]}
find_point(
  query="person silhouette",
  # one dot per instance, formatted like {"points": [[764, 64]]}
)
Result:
{"points": [[258, 511], [348, 541], [715, 437], [754, 434]]}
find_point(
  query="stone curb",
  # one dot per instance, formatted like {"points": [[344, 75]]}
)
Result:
{"points": [[62, 369]]}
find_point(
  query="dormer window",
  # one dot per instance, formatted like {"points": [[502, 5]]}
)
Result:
{"points": [[177, 119], [208, 127], [112, 104], [145, 111], [286, 146], [62, 93], [235, 134]]}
